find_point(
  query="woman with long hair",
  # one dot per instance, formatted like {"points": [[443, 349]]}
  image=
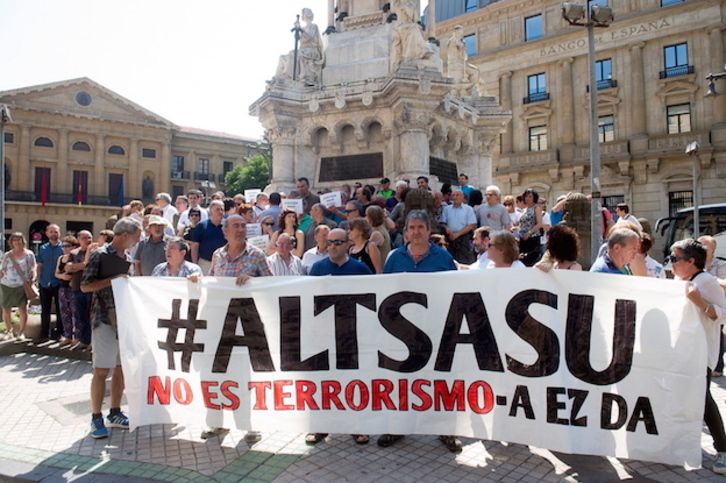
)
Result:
{"points": [[68, 316], [17, 266], [362, 248], [288, 223]]}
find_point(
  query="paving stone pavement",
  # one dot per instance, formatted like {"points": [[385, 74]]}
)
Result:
{"points": [[44, 437]]}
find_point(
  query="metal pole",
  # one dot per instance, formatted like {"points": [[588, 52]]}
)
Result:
{"points": [[696, 213], [595, 214], [4, 117]]}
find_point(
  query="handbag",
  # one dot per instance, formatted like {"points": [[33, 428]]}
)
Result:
{"points": [[30, 291]]}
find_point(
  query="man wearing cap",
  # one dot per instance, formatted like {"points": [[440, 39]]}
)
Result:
{"points": [[150, 250], [208, 236], [385, 190]]}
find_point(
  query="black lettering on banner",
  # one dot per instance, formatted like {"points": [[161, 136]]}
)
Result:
{"points": [[480, 336], [554, 405], [418, 343], [190, 324], [290, 334], [578, 340], [606, 411], [522, 400], [346, 321], [254, 337], [540, 337], [579, 396], [643, 411]]}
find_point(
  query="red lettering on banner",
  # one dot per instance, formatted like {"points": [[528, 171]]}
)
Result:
{"points": [[381, 394], [350, 393], [419, 392], [209, 395], [280, 395], [403, 394], [161, 391], [305, 391], [473, 397], [331, 391], [232, 397], [448, 398], [183, 392], [260, 387]]}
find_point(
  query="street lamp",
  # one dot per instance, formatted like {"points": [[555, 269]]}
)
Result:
{"points": [[712, 78], [595, 16], [692, 150], [4, 118]]}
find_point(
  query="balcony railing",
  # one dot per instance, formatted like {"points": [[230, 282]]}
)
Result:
{"points": [[536, 97], [676, 71], [203, 176], [180, 175], [220, 177], [60, 198], [604, 84]]}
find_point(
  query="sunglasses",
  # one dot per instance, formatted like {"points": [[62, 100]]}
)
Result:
{"points": [[195, 214], [66, 246], [676, 258], [268, 224], [337, 243]]}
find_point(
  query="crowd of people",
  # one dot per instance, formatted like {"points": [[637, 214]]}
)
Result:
{"points": [[372, 230]]}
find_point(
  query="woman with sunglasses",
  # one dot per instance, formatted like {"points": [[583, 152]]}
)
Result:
{"points": [[69, 320], [195, 216], [688, 259]]}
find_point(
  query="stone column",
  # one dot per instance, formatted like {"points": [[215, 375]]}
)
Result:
{"points": [[331, 13], [413, 140], [431, 21], [100, 187], [637, 103], [163, 182], [61, 178], [22, 168], [283, 154], [567, 104], [716, 53], [133, 182], [505, 99]]}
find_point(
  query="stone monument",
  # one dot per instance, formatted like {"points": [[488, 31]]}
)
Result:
{"points": [[375, 102]]}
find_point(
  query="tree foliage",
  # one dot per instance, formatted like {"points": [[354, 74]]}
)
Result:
{"points": [[254, 174]]}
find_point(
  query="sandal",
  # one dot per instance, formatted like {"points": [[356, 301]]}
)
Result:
{"points": [[386, 440], [360, 438], [315, 438]]}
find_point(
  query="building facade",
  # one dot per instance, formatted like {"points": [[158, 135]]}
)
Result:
{"points": [[75, 152], [650, 69]]}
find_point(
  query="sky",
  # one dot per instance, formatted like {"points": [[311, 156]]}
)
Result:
{"points": [[196, 63]]}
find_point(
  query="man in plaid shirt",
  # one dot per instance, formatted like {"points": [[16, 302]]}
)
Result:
{"points": [[127, 232]]}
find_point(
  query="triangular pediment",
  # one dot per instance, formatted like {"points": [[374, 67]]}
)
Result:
{"points": [[82, 98]]}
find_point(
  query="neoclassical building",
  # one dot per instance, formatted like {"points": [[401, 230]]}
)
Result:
{"points": [[651, 64], [75, 151]]}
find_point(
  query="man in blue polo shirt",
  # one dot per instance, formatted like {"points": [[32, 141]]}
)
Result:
{"points": [[208, 236], [48, 283], [623, 245]]}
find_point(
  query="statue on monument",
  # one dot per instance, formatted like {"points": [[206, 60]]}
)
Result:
{"points": [[465, 75], [309, 54], [408, 44]]}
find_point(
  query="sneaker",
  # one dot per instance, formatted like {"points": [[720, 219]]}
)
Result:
{"points": [[719, 466], [20, 337], [253, 437], [98, 430], [211, 432], [8, 336], [452, 443], [386, 440], [118, 421]]}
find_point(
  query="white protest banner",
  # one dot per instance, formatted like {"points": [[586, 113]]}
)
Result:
{"points": [[570, 361], [260, 242], [331, 199], [251, 195], [253, 230], [296, 204]]}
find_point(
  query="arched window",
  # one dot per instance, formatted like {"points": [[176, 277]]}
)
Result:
{"points": [[44, 142], [81, 146], [116, 150]]}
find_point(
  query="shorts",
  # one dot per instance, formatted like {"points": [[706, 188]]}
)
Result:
{"points": [[105, 353], [13, 296]]}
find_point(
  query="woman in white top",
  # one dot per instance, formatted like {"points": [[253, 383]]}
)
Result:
{"points": [[688, 258], [11, 282], [503, 251]]}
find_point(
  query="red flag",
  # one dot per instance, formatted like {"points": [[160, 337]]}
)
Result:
{"points": [[79, 196]]}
